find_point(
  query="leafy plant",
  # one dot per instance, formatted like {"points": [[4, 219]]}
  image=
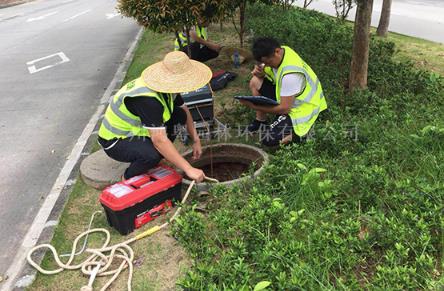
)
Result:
{"points": [[342, 8], [359, 205]]}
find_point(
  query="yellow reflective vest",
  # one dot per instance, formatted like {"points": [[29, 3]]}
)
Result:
{"points": [[200, 32], [310, 102], [119, 122]]}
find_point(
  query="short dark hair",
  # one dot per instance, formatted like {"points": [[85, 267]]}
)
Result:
{"points": [[264, 47]]}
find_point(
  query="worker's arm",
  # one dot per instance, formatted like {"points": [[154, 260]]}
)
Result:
{"points": [[283, 108], [166, 148], [211, 45], [197, 148]]}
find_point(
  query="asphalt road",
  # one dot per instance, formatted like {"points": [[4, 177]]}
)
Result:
{"points": [[56, 59], [419, 18]]}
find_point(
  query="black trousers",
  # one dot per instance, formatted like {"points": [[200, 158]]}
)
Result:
{"points": [[140, 151], [201, 54], [281, 126]]}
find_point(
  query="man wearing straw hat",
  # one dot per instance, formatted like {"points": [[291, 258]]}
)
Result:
{"points": [[140, 121]]}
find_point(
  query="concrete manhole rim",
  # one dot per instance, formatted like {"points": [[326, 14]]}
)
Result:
{"points": [[205, 185]]}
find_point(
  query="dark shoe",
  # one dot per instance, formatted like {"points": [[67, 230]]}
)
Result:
{"points": [[256, 125]]}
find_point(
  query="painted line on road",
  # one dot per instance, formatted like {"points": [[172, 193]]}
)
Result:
{"points": [[41, 17], [37, 226], [33, 69], [111, 15], [77, 15]]}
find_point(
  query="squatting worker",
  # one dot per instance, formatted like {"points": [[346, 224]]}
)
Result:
{"points": [[140, 123], [202, 49], [284, 76]]}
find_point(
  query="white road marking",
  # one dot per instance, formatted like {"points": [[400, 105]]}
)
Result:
{"points": [[41, 17], [77, 15], [36, 228], [33, 69], [112, 15]]}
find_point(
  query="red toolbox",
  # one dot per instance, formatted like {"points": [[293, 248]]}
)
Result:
{"points": [[136, 201]]}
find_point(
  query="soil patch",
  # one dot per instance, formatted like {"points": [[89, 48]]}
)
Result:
{"points": [[224, 171]]}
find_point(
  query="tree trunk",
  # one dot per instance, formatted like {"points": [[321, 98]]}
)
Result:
{"points": [[242, 8], [187, 30], [361, 41], [307, 2], [385, 18]]}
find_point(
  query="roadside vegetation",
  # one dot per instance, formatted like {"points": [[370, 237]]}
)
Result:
{"points": [[358, 206]]}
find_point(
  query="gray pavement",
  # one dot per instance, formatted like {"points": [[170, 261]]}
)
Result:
{"points": [[419, 18], [56, 59]]}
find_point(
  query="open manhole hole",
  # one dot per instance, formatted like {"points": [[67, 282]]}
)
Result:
{"points": [[228, 162]]}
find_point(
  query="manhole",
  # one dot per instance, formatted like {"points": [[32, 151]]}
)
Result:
{"points": [[228, 163]]}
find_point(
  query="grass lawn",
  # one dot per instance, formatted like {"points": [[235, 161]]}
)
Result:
{"points": [[425, 54], [160, 260]]}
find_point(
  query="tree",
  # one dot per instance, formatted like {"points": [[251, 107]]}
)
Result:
{"points": [[342, 8], [361, 42], [385, 18], [173, 15], [286, 4], [242, 6], [307, 2]]}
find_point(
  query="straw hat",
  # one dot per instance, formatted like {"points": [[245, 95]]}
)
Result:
{"points": [[176, 74]]}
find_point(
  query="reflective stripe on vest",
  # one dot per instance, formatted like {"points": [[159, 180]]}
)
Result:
{"points": [[310, 102], [200, 32], [119, 122], [183, 41]]}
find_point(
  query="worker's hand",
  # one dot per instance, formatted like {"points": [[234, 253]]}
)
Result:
{"points": [[193, 35], [258, 71], [197, 149], [195, 174]]}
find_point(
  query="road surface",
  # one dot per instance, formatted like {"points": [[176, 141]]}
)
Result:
{"points": [[56, 59], [419, 18]]}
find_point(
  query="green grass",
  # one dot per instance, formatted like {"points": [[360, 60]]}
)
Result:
{"points": [[334, 213], [162, 261], [151, 49], [424, 54]]}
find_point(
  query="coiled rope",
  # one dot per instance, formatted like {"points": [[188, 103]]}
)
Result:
{"points": [[101, 259]]}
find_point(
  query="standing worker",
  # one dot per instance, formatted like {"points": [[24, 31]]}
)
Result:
{"points": [[141, 121], [202, 49], [283, 75]]}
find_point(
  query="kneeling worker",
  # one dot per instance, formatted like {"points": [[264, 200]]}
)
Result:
{"points": [[141, 121], [283, 75]]}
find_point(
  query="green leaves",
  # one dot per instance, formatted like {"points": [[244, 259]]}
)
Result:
{"points": [[335, 212], [312, 175], [174, 15], [262, 285]]}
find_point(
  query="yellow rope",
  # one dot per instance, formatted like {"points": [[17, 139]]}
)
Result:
{"points": [[100, 259]]}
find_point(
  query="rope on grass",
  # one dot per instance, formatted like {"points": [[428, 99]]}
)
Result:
{"points": [[101, 259]]}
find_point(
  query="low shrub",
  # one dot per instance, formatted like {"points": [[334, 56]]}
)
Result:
{"points": [[358, 206]]}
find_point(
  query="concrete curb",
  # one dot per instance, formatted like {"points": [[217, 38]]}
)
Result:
{"points": [[20, 275]]}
